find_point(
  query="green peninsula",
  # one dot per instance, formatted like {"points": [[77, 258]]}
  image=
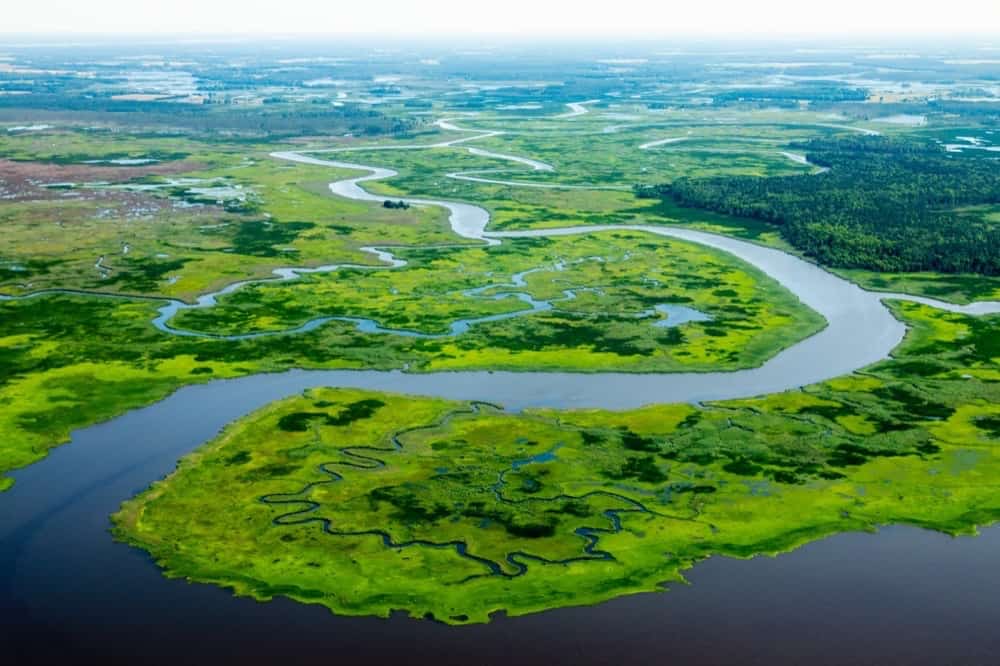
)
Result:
{"points": [[369, 503]]}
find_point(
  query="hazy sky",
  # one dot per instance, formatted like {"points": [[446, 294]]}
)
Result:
{"points": [[942, 18]]}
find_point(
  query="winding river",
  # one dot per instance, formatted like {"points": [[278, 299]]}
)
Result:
{"points": [[66, 587], [860, 330]]}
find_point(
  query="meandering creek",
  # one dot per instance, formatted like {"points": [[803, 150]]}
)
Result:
{"points": [[65, 584]]}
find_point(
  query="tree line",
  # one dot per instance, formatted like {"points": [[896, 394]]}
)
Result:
{"points": [[886, 204], [267, 119], [792, 95]]}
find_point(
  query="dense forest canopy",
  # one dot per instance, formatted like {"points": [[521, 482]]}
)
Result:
{"points": [[885, 204]]}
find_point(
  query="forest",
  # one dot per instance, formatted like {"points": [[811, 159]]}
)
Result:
{"points": [[791, 95], [884, 204]]}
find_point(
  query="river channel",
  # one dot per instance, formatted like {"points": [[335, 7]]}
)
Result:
{"points": [[903, 595]]}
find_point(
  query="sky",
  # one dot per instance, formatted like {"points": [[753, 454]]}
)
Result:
{"points": [[517, 18]]}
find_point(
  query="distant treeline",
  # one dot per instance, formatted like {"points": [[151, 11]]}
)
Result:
{"points": [[886, 205], [266, 119], [791, 95], [984, 112], [979, 113]]}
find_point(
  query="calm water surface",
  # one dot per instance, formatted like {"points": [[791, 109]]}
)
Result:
{"points": [[69, 593]]}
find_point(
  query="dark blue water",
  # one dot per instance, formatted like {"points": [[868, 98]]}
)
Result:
{"points": [[70, 595]]}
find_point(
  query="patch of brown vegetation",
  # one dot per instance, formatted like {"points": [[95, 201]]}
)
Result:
{"points": [[44, 172]]}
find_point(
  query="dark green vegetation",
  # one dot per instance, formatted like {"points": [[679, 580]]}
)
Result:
{"points": [[792, 96], [885, 205], [257, 238], [367, 503]]}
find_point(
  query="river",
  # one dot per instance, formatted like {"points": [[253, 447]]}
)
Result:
{"points": [[902, 596], [69, 593]]}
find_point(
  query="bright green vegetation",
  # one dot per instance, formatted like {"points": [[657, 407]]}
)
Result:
{"points": [[367, 502], [603, 289], [885, 205], [67, 361], [213, 212], [212, 207], [133, 189], [954, 287], [209, 213]]}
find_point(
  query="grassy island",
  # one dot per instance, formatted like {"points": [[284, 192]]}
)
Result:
{"points": [[369, 502]]}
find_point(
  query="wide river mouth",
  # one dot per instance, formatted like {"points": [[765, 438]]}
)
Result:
{"points": [[903, 595]]}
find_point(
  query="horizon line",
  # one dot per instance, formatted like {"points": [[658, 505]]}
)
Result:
{"points": [[729, 36]]}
